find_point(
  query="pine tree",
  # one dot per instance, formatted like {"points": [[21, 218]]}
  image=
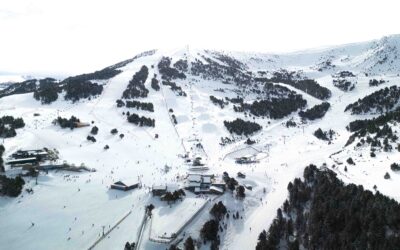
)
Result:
{"points": [[240, 192], [2, 149], [387, 176], [209, 231], [218, 210], [94, 130], [189, 244]]}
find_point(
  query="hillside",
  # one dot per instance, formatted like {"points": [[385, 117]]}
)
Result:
{"points": [[161, 115]]}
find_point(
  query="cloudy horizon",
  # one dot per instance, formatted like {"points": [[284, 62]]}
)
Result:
{"points": [[66, 37]]}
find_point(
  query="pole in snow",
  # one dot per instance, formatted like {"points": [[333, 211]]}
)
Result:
{"points": [[284, 139]]}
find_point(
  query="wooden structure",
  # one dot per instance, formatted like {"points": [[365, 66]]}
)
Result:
{"points": [[82, 124], [125, 185]]}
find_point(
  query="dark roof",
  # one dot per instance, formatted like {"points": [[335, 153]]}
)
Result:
{"points": [[23, 160], [120, 183], [126, 183]]}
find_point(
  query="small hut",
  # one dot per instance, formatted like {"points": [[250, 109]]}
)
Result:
{"points": [[125, 185]]}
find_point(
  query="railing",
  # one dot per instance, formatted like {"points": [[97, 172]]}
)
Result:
{"points": [[140, 232], [166, 240], [109, 231]]}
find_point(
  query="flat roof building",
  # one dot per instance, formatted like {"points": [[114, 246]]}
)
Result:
{"points": [[199, 183], [159, 190], [22, 161]]}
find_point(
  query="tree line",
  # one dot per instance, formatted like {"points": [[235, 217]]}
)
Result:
{"points": [[9, 186], [324, 135], [294, 79], [316, 112], [275, 108], [175, 88], [147, 106], [141, 120], [377, 132], [219, 102], [48, 91], [8, 126], [76, 90], [136, 86], [71, 123], [344, 80], [75, 87], [324, 213], [169, 73], [380, 101], [241, 127]]}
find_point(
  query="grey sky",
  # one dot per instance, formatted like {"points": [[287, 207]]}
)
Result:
{"points": [[61, 37]]}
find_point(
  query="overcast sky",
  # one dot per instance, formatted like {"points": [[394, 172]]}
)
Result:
{"points": [[61, 37]]}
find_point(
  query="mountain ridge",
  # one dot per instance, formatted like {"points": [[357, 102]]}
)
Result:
{"points": [[162, 115]]}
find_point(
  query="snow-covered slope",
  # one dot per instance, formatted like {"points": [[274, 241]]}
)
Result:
{"points": [[70, 210]]}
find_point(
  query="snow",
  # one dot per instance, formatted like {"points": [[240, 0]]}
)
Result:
{"points": [[194, 178], [56, 208], [125, 232], [60, 196], [9, 78], [179, 213]]}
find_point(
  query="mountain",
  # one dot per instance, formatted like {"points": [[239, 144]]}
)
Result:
{"points": [[161, 115], [7, 79]]}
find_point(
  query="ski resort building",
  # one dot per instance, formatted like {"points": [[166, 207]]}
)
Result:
{"points": [[28, 158], [39, 154], [125, 185], [216, 190], [246, 159], [22, 161], [199, 183], [159, 190]]}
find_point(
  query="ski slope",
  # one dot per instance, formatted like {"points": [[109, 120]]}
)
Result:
{"points": [[70, 210]]}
